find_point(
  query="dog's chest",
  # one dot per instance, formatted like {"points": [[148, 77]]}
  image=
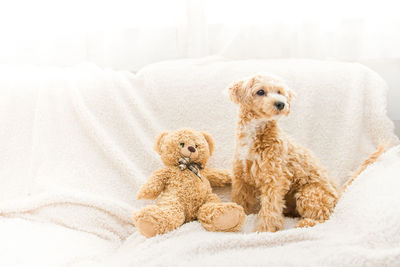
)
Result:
{"points": [[246, 140], [243, 149], [256, 152]]}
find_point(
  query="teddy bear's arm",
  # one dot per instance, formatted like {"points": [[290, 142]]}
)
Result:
{"points": [[154, 186], [217, 177]]}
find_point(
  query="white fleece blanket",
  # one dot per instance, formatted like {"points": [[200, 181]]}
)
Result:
{"points": [[77, 142], [364, 231], [28, 243]]}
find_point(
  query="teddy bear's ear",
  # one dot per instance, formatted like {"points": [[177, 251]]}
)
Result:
{"points": [[159, 139], [210, 141]]}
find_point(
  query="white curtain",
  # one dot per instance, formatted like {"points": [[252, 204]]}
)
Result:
{"points": [[130, 34]]}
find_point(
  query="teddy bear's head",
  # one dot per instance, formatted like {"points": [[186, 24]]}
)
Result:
{"points": [[184, 143]]}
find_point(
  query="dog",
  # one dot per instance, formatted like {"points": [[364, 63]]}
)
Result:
{"points": [[272, 173]]}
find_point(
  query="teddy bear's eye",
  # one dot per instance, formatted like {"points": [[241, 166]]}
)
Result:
{"points": [[279, 92], [195, 146], [182, 144]]}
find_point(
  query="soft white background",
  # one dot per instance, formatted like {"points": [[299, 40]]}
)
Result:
{"points": [[128, 34]]}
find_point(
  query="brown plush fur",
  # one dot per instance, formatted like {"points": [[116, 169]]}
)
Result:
{"points": [[183, 196], [272, 174]]}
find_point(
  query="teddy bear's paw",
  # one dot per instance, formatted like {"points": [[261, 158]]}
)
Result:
{"points": [[144, 193], [228, 219], [146, 227]]}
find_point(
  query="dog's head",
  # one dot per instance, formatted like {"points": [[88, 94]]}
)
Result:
{"points": [[265, 96]]}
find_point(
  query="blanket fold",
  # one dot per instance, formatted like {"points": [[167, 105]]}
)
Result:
{"points": [[105, 218]]}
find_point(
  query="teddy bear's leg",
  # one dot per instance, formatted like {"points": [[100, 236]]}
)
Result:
{"points": [[215, 215], [166, 216]]}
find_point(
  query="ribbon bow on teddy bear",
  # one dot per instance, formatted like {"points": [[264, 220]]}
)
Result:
{"points": [[184, 163]]}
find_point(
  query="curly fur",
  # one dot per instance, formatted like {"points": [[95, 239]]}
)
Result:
{"points": [[182, 195], [273, 174]]}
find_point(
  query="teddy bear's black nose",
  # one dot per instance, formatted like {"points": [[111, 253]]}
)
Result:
{"points": [[191, 149]]}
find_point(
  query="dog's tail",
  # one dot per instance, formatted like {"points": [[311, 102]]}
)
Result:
{"points": [[371, 159]]}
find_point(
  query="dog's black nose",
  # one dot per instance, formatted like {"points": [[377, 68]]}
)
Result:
{"points": [[279, 105], [191, 149]]}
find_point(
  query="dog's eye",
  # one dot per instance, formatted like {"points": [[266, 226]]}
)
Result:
{"points": [[279, 92], [182, 144], [260, 92]]}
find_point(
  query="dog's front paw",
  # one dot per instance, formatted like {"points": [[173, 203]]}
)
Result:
{"points": [[269, 224]]}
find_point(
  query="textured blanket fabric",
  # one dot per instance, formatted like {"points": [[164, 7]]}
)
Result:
{"points": [[28, 243], [76, 144]]}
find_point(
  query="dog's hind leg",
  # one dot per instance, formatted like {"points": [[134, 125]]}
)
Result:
{"points": [[315, 204], [306, 222]]}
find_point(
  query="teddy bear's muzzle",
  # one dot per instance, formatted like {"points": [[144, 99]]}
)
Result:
{"points": [[190, 152]]}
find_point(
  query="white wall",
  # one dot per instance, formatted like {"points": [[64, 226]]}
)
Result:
{"points": [[390, 71]]}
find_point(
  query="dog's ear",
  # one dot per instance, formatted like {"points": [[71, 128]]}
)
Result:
{"points": [[236, 89], [290, 98], [291, 95], [159, 140], [210, 142]]}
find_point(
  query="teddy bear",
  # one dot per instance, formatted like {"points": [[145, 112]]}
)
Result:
{"points": [[183, 187]]}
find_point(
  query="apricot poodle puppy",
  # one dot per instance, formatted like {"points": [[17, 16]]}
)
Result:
{"points": [[272, 174]]}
